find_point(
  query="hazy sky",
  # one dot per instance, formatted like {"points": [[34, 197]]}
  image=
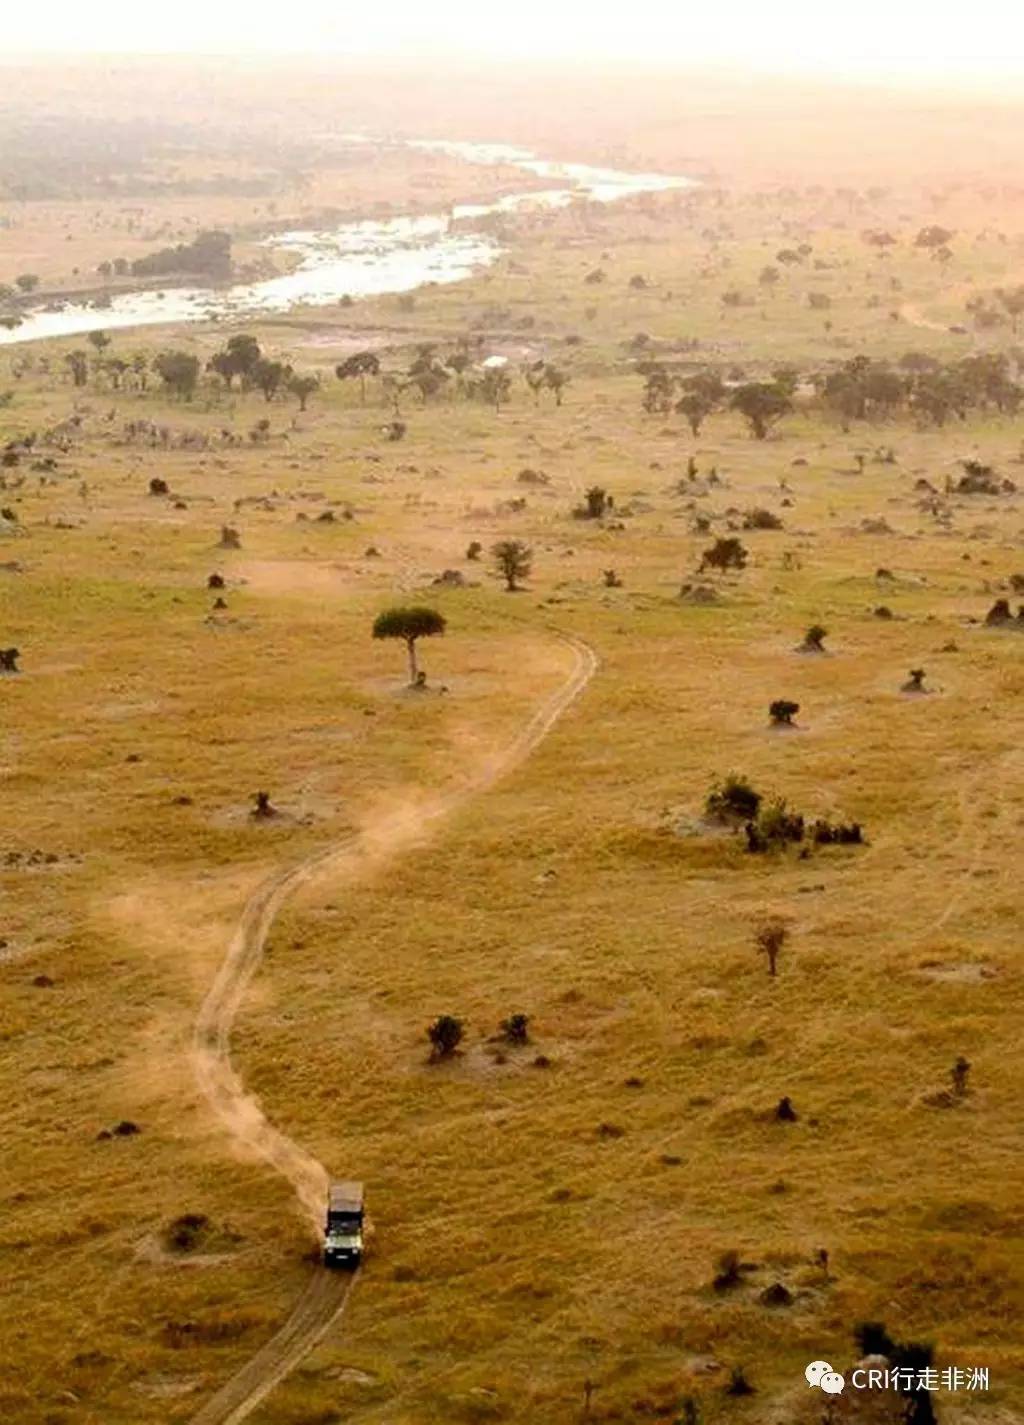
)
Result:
{"points": [[932, 38]]}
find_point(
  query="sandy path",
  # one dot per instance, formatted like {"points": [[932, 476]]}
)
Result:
{"points": [[325, 1296]]}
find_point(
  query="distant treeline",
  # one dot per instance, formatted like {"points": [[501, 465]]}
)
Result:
{"points": [[208, 255], [45, 156]]}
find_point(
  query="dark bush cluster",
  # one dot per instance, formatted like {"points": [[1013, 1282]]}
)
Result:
{"points": [[772, 825], [776, 826], [826, 833]]}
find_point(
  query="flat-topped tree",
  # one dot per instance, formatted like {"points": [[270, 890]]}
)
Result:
{"points": [[409, 624], [762, 404], [359, 365]]}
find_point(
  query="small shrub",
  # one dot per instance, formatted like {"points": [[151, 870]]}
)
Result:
{"points": [[776, 826], [445, 1035], [873, 1339], [738, 1384], [597, 503], [814, 639], [827, 833], [732, 799], [761, 519], [782, 712], [262, 808], [728, 1271], [515, 1029], [185, 1232], [727, 552]]}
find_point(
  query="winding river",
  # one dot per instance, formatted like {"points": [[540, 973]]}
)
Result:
{"points": [[358, 259]]}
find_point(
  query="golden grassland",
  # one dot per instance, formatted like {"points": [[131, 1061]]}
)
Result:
{"points": [[534, 1227]]}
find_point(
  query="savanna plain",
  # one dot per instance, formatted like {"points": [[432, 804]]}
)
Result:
{"points": [[724, 795]]}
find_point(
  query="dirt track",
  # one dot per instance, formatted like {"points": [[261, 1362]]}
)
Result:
{"points": [[325, 1296]]}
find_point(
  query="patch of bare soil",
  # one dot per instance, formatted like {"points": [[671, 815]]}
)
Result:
{"points": [[957, 972]]}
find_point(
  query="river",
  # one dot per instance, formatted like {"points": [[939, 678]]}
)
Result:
{"points": [[357, 259]]}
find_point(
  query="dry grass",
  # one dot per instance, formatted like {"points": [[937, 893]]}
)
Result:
{"points": [[534, 1226]]}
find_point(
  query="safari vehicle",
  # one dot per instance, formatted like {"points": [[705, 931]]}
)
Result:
{"points": [[343, 1232]]}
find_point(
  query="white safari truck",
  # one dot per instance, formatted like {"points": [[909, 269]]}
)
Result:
{"points": [[343, 1232]]}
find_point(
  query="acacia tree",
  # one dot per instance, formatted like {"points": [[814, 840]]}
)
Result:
{"points": [[513, 560], [179, 371], [302, 387], [1013, 301], [696, 407], [496, 386], [360, 364], [238, 358], [409, 624], [270, 376], [762, 404], [541, 376], [702, 393], [78, 362]]}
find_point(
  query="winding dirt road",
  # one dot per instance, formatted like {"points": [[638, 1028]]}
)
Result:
{"points": [[324, 1298]]}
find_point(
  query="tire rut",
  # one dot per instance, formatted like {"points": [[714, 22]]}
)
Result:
{"points": [[326, 1294]]}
